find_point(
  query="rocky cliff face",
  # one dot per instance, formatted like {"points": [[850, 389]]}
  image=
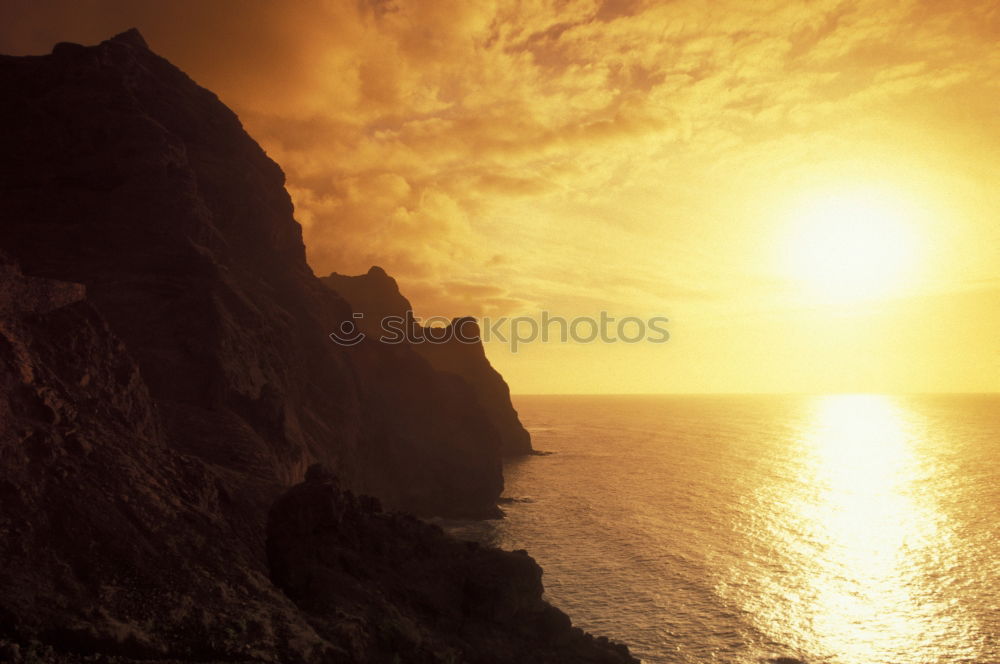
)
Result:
{"points": [[121, 174], [116, 547], [456, 350], [165, 374], [111, 542]]}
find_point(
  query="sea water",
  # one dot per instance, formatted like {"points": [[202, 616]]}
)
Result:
{"points": [[843, 529]]}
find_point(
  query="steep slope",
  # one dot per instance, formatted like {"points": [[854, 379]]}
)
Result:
{"points": [[121, 174], [165, 374], [376, 296], [115, 547]]}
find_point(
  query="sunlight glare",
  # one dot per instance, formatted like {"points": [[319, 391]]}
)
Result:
{"points": [[851, 245], [866, 595]]}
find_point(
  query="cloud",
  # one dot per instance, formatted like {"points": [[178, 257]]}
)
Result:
{"points": [[513, 145]]}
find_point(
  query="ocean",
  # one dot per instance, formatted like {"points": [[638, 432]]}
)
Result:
{"points": [[842, 529]]}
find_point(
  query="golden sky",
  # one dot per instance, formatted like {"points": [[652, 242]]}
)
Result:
{"points": [[679, 158]]}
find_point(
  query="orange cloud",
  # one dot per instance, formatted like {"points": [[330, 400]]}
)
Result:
{"points": [[573, 153]]}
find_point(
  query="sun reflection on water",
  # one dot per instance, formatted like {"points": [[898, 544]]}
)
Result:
{"points": [[858, 532], [864, 464]]}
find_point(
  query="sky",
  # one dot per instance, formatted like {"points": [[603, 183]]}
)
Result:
{"points": [[806, 190]]}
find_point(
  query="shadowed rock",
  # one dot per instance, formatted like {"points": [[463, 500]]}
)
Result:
{"points": [[387, 587], [110, 541], [165, 374], [121, 174], [456, 349]]}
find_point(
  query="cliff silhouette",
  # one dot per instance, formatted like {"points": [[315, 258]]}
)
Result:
{"points": [[456, 350], [167, 376]]}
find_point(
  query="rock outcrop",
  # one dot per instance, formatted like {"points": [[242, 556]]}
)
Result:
{"points": [[456, 349], [388, 587], [165, 375]]}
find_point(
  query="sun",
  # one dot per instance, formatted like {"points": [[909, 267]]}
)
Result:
{"points": [[850, 245]]}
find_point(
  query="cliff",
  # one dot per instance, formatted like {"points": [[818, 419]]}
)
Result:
{"points": [[123, 175], [456, 350], [166, 375], [116, 547]]}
